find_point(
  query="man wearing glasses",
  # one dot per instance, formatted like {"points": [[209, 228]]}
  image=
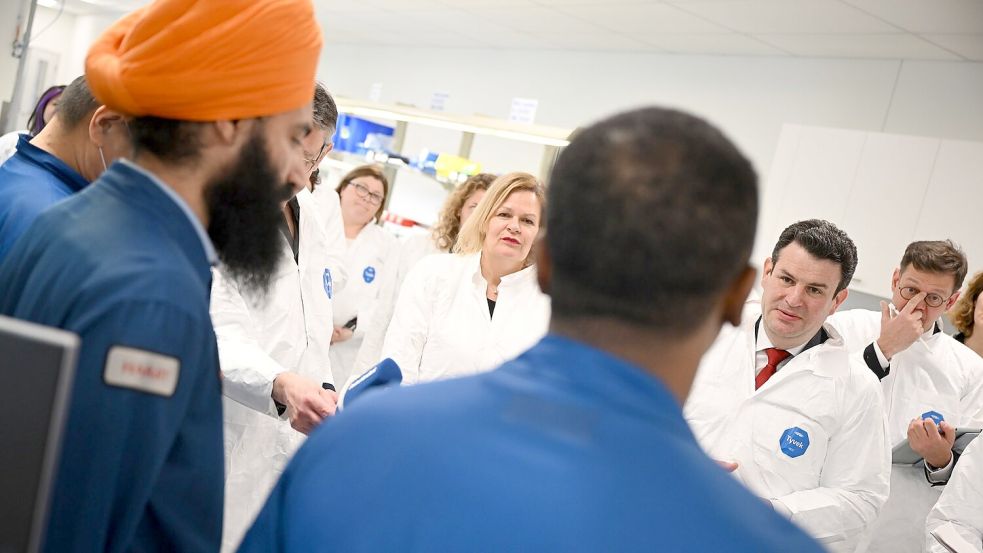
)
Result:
{"points": [[932, 384], [273, 351]]}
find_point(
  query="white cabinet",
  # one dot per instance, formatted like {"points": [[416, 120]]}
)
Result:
{"points": [[883, 207], [884, 190]]}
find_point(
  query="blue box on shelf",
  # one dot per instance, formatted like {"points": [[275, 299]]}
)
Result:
{"points": [[358, 136]]}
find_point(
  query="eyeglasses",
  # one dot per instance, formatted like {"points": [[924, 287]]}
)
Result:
{"points": [[311, 163], [932, 299], [363, 192]]}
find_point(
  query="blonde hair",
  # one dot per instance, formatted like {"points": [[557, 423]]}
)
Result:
{"points": [[449, 224], [472, 235], [961, 314], [373, 171]]}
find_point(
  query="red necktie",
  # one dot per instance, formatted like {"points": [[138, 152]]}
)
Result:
{"points": [[775, 356]]}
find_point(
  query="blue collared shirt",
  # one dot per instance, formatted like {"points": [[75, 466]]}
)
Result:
{"points": [[206, 242], [566, 448], [122, 265], [31, 181]]}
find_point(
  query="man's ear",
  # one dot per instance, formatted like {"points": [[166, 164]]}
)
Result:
{"points": [[544, 266], [767, 269], [736, 295], [952, 300], [838, 300], [229, 132], [101, 122], [327, 148]]}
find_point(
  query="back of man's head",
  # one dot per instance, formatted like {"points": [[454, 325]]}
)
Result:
{"points": [[325, 110], [823, 240], [652, 217], [937, 256], [76, 105]]}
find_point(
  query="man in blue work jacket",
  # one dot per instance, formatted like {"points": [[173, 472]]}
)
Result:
{"points": [[579, 444], [217, 128], [69, 153]]}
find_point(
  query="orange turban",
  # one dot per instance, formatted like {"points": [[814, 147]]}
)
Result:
{"points": [[208, 60]]}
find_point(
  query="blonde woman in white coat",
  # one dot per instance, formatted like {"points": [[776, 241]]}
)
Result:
{"points": [[371, 253], [459, 205], [469, 311]]}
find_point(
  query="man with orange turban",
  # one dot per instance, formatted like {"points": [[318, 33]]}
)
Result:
{"points": [[218, 100]]}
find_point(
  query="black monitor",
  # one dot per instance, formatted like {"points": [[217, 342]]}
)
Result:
{"points": [[37, 366]]}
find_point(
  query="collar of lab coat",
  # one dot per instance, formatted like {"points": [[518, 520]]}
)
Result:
{"points": [[514, 280], [805, 360]]}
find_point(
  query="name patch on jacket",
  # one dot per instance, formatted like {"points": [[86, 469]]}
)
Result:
{"points": [[141, 370], [368, 275], [934, 415], [794, 442], [327, 282]]}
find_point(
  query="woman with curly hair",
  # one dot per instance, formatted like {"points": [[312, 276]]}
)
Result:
{"points": [[456, 210], [967, 313]]}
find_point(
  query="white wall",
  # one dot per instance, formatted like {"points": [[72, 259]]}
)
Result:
{"points": [[884, 190], [62, 39], [749, 97]]}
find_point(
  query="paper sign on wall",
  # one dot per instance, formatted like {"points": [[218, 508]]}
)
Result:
{"points": [[523, 110], [375, 92], [438, 100]]}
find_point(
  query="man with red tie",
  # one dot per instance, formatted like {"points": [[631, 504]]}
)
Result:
{"points": [[782, 398]]}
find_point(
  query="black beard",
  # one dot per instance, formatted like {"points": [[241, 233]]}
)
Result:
{"points": [[244, 216]]}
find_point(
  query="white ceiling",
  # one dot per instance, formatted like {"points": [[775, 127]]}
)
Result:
{"points": [[882, 29]]}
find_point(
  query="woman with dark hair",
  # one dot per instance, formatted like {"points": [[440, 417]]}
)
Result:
{"points": [[370, 254], [41, 115], [967, 313], [44, 110]]}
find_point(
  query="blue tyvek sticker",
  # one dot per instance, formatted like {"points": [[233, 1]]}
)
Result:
{"points": [[368, 275], [794, 442], [327, 282], [934, 415]]}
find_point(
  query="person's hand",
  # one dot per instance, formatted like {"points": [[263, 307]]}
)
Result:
{"points": [[901, 330], [341, 334], [307, 403], [926, 440], [728, 466]]}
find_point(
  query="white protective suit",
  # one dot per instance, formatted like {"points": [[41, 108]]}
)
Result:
{"points": [[811, 440], [935, 374], [368, 258], [961, 503], [441, 327], [258, 340], [328, 206], [412, 250]]}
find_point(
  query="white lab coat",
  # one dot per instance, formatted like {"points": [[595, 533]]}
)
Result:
{"points": [[258, 340], [441, 327], [8, 144], [412, 250], [368, 258], [328, 206], [961, 503], [835, 487], [936, 373]]}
